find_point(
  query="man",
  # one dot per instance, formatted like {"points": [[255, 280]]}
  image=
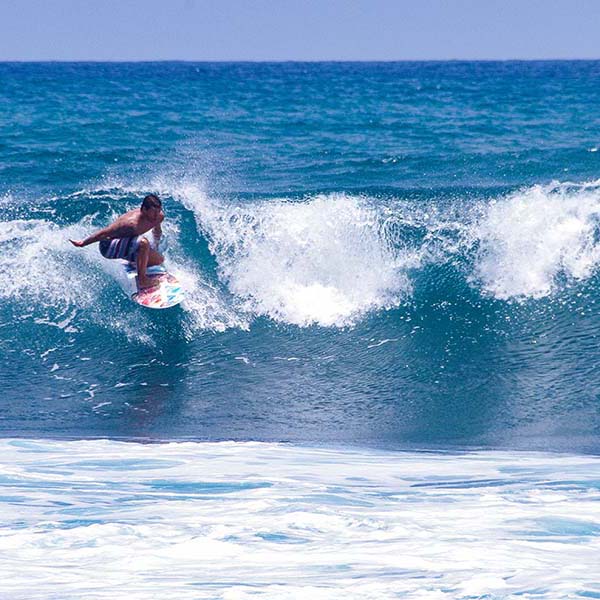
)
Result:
{"points": [[124, 238]]}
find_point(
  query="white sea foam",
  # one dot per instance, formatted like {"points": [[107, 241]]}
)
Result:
{"points": [[532, 237], [103, 519], [39, 263], [44, 274], [321, 261], [206, 307]]}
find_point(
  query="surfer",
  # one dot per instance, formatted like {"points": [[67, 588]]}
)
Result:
{"points": [[124, 238]]}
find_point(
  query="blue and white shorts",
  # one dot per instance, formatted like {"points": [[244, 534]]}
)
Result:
{"points": [[126, 248]]}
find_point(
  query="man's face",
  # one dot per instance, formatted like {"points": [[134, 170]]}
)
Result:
{"points": [[154, 214]]}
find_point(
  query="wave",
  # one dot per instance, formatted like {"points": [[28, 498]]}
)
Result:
{"points": [[331, 259], [533, 237], [327, 259], [322, 261], [43, 276]]}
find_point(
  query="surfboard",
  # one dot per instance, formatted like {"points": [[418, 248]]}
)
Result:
{"points": [[165, 294]]}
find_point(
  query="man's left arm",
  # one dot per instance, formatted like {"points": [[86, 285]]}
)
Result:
{"points": [[156, 233]]}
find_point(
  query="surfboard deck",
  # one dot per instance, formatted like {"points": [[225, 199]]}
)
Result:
{"points": [[165, 294]]}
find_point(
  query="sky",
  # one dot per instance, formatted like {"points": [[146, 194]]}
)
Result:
{"points": [[256, 30]]}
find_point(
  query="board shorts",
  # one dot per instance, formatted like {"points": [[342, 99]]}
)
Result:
{"points": [[126, 248]]}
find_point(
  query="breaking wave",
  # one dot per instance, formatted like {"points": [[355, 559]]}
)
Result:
{"points": [[327, 260]]}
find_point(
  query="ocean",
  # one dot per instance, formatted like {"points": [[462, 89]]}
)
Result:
{"points": [[383, 382]]}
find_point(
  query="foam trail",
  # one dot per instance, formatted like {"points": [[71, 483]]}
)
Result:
{"points": [[321, 261], [104, 519], [206, 307], [48, 279], [37, 261]]}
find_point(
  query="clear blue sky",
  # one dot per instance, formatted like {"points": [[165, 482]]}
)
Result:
{"points": [[298, 30]]}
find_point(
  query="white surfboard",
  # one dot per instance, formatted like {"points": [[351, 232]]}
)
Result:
{"points": [[166, 293]]}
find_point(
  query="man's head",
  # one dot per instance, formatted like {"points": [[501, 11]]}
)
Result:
{"points": [[152, 207]]}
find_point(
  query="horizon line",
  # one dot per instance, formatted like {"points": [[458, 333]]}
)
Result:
{"points": [[282, 61]]}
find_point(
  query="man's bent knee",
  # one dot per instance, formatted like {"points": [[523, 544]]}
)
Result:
{"points": [[155, 258]]}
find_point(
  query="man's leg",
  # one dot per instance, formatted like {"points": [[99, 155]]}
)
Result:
{"points": [[146, 257]]}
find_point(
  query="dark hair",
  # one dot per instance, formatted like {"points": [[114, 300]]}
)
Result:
{"points": [[151, 201]]}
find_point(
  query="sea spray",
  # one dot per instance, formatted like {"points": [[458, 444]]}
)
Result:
{"points": [[318, 261], [528, 239]]}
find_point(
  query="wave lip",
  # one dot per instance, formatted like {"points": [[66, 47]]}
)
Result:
{"points": [[322, 261], [530, 239]]}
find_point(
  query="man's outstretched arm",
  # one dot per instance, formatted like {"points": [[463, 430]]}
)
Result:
{"points": [[115, 230], [95, 237]]}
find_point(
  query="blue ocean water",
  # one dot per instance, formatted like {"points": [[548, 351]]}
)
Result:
{"points": [[398, 254], [391, 317]]}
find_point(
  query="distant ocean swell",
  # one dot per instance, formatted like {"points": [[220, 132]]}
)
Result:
{"points": [[327, 259]]}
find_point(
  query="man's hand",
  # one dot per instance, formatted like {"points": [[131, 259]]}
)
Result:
{"points": [[77, 243]]}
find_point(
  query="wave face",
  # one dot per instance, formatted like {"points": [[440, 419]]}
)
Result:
{"points": [[395, 255]]}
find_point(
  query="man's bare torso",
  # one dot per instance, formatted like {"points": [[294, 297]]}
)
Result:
{"points": [[130, 224]]}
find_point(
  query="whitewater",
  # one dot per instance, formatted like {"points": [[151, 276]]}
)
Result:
{"points": [[327, 259], [226, 520]]}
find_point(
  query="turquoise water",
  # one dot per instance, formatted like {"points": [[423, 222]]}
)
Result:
{"points": [[383, 381], [394, 254]]}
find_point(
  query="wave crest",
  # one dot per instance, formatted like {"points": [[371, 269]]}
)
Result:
{"points": [[322, 261], [532, 237]]}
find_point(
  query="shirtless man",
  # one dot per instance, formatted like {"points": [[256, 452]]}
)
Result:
{"points": [[124, 239]]}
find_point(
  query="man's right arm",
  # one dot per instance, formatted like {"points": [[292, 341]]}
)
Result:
{"points": [[96, 237], [115, 230]]}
